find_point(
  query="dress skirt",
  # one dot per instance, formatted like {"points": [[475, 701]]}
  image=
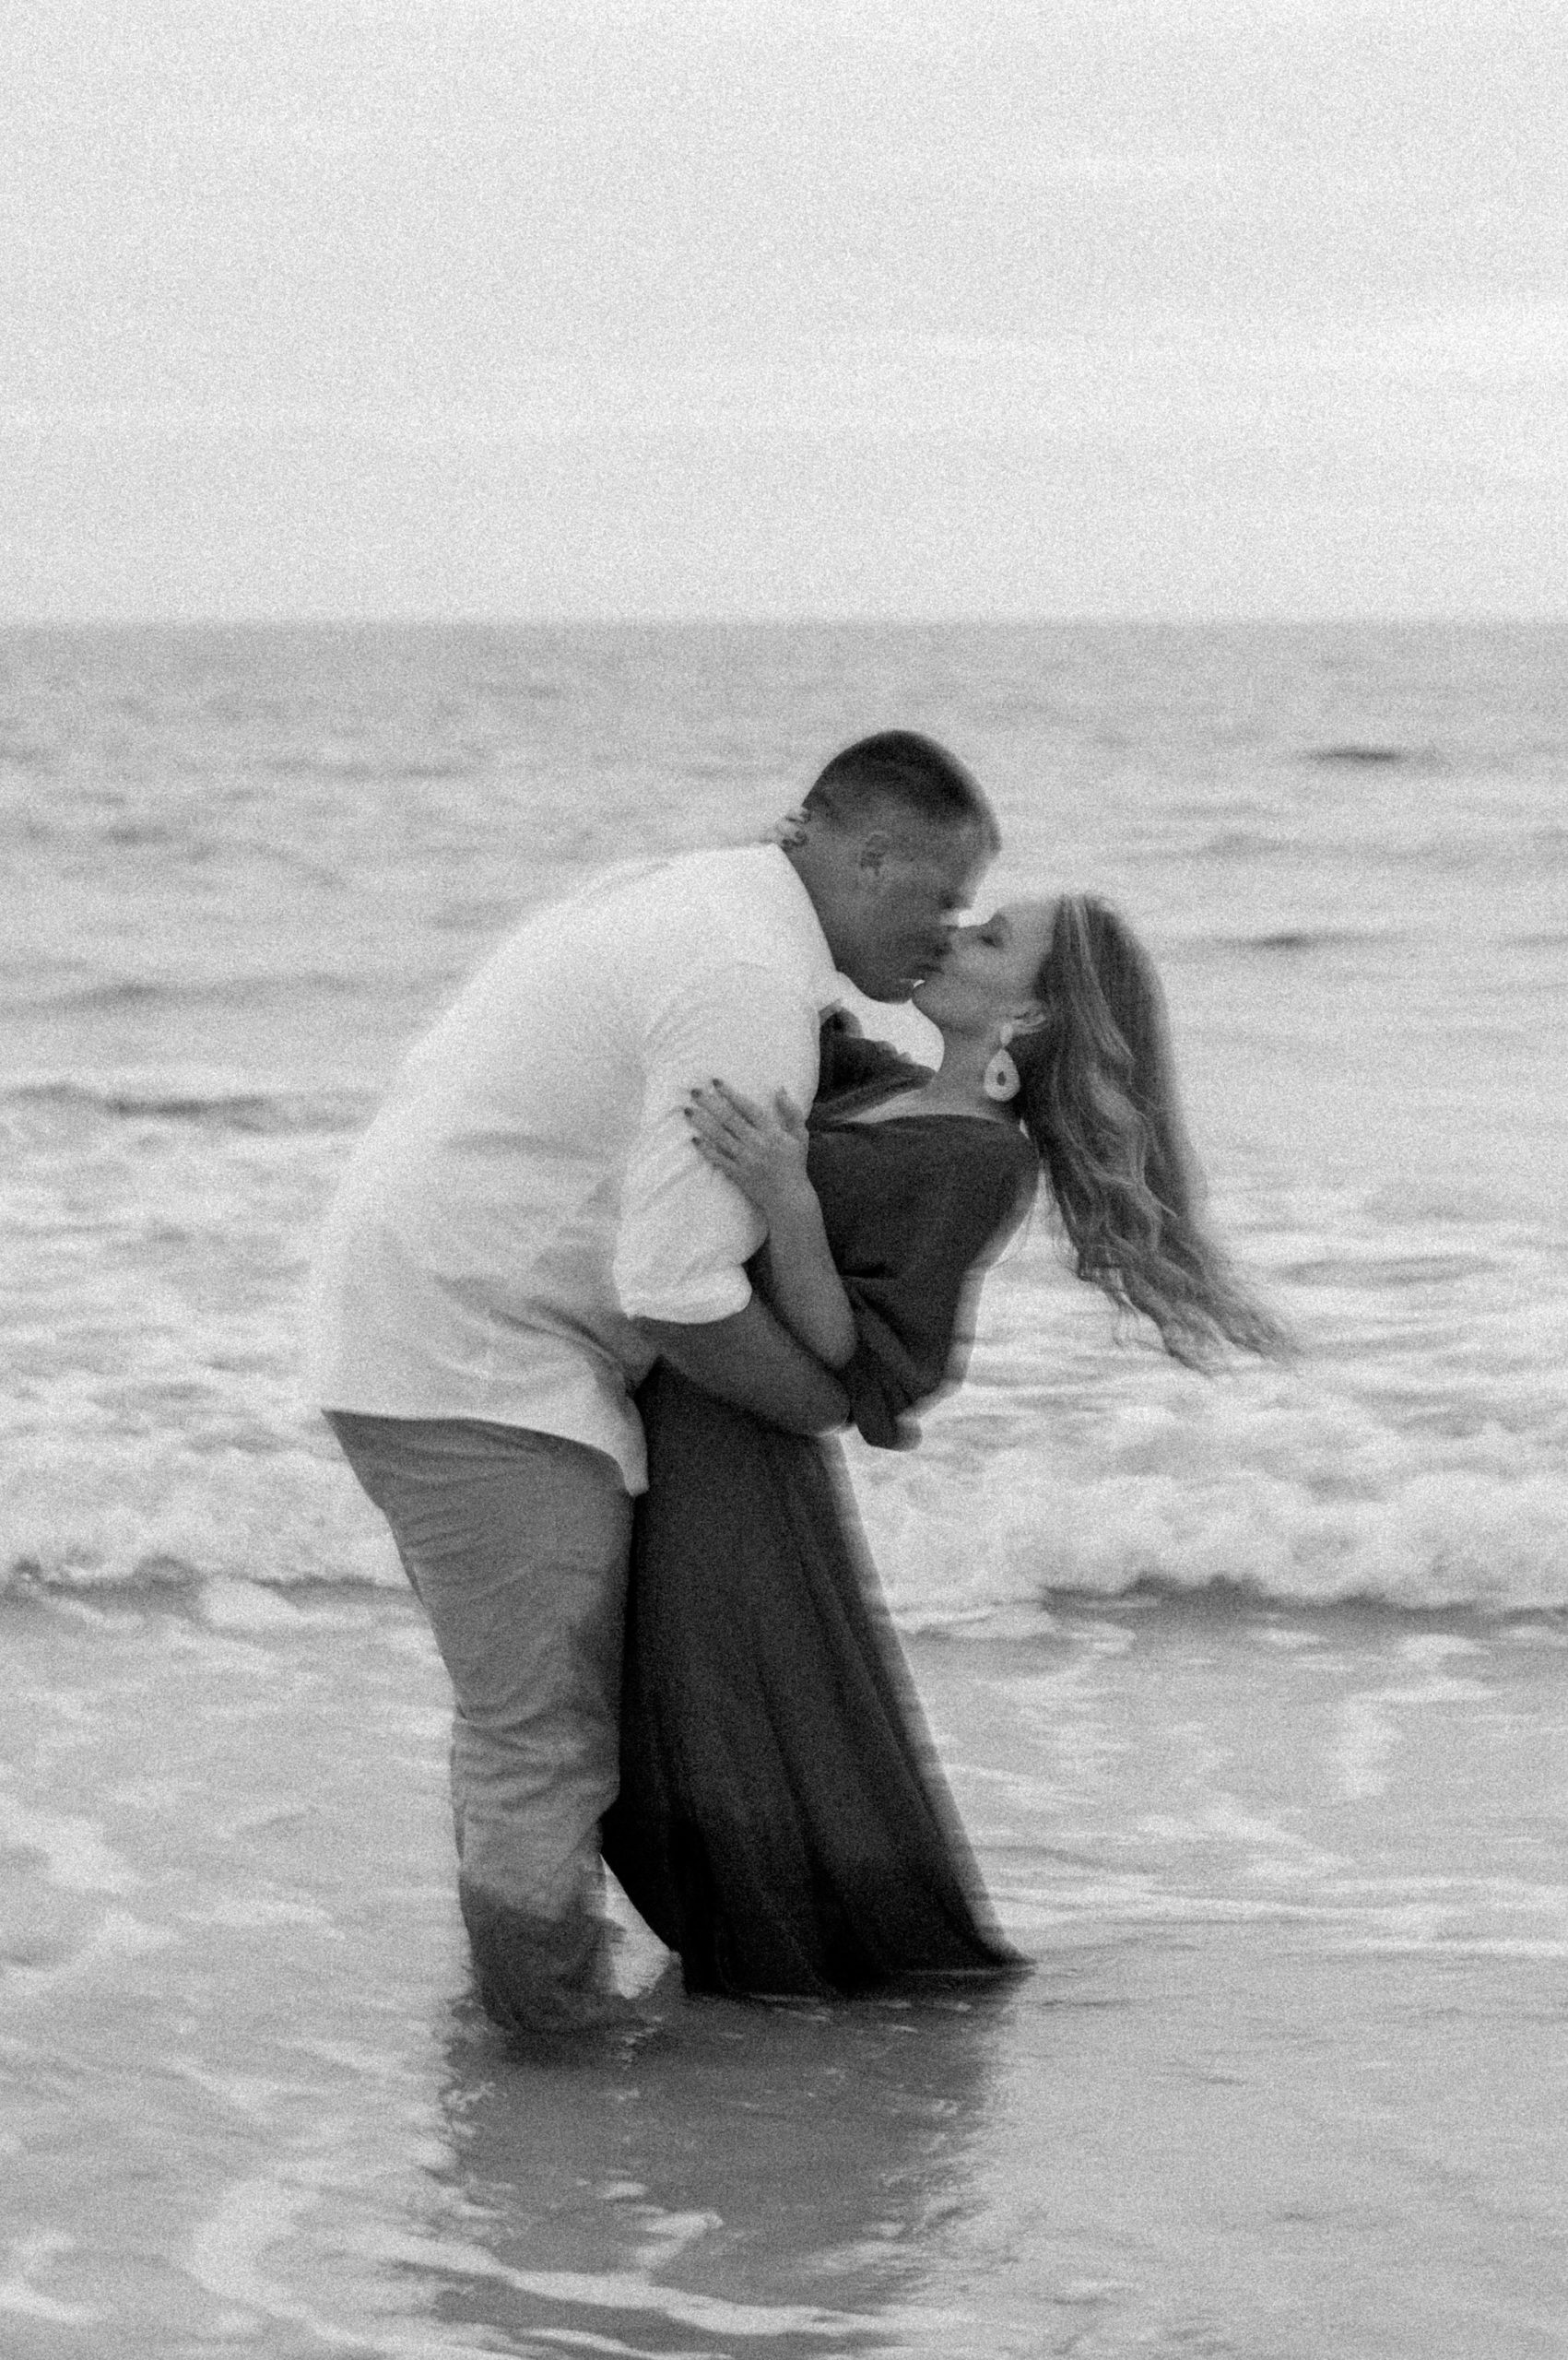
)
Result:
{"points": [[782, 1821]]}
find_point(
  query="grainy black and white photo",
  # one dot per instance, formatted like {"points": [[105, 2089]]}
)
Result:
{"points": [[783, 1146]]}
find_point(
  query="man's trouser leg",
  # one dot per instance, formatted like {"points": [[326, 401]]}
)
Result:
{"points": [[516, 1545]]}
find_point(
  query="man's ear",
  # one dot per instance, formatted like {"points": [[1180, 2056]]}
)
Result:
{"points": [[872, 855]]}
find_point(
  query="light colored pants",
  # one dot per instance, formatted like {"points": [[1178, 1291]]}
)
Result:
{"points": [[517, 1544]]}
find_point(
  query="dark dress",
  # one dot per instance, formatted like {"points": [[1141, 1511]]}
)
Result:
{"points": [[782, 1823]]}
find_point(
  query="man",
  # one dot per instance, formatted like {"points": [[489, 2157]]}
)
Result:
{"points": [[527, 1226]]}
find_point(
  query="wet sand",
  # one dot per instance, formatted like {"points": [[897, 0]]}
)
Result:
{"points": [[1291, 2078]]}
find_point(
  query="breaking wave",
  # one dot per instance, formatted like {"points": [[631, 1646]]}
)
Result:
{"points": [[1291, 1508]]}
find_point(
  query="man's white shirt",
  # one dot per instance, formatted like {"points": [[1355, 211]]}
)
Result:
{"points": [[529, 1188]]}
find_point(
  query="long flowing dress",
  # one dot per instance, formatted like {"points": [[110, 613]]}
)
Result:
{"points": [[782, 1821]]}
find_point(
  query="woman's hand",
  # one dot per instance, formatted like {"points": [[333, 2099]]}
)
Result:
{"points": [[763, 1153]]}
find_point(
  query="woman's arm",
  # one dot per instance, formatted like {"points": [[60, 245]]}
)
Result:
{"points": [[764, 1155]]}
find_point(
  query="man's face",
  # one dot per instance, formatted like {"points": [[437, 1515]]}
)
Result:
{"points": [[909, 891]]}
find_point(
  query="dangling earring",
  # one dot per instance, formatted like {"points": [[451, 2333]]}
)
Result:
{"points": [[1000, 1081]]}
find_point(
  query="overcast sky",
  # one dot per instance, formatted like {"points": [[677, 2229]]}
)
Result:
{"points": [[556, 308]]}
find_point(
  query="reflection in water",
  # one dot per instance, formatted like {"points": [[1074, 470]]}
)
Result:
{"points": [[752, 2171]]}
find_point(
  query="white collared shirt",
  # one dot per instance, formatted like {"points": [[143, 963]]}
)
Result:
{"points": [[529, 1188]]}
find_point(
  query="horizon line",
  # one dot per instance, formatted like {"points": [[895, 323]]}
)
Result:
{"points": [[392, 619]]}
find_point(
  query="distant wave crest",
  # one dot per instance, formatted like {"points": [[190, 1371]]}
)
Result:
{"points": [[1279, 942], [216, 1108], [1369, 755], [1292, 938], [111, 994]]}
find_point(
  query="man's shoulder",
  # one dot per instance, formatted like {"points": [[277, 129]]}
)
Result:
{"points": [[734, 920], [663, 878], [655, 893], [736, 904], [728, 876]]}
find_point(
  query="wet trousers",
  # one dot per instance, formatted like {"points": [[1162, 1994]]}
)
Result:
{"points": [[516, 1545]]}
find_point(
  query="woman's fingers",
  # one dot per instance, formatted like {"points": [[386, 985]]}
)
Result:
{"points": [[713, 1122], [716, 1135], [758, 1151], [747, 1108], [714, 1145], [708, 1133], [726, 1114]]}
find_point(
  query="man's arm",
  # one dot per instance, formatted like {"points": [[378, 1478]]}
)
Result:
{"points": [[750, 1360]]}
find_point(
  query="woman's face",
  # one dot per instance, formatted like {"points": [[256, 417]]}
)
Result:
{"points": [[987, 977]]}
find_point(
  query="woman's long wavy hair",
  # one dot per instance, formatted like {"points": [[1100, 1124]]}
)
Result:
{"points": [[1098, 1097]]}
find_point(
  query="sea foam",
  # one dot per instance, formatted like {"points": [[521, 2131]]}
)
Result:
{"points": [[1275, 1486]]}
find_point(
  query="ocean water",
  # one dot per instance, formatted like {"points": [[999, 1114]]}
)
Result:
{"points": [[245, 867], [1249, 1687]]}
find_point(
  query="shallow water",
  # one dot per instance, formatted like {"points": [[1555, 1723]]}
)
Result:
{"points": [[1290, 2077]]}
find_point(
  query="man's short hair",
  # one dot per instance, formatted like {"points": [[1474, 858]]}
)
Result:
{"points": [[900, 766]]}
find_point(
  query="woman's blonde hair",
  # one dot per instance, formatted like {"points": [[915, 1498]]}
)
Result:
{"points": [[1098, 1097]]}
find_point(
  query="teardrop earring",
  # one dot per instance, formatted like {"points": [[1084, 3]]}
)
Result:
{"points": [[1000, 1081]]}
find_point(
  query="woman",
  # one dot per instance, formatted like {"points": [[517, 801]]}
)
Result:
{"points": [[782, 1820]]}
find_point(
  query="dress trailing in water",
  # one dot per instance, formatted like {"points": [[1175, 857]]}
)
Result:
{"points": [[782, 1823]]}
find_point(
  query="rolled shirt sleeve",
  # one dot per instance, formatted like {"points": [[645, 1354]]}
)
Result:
{"points": [[684, 1234]]}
